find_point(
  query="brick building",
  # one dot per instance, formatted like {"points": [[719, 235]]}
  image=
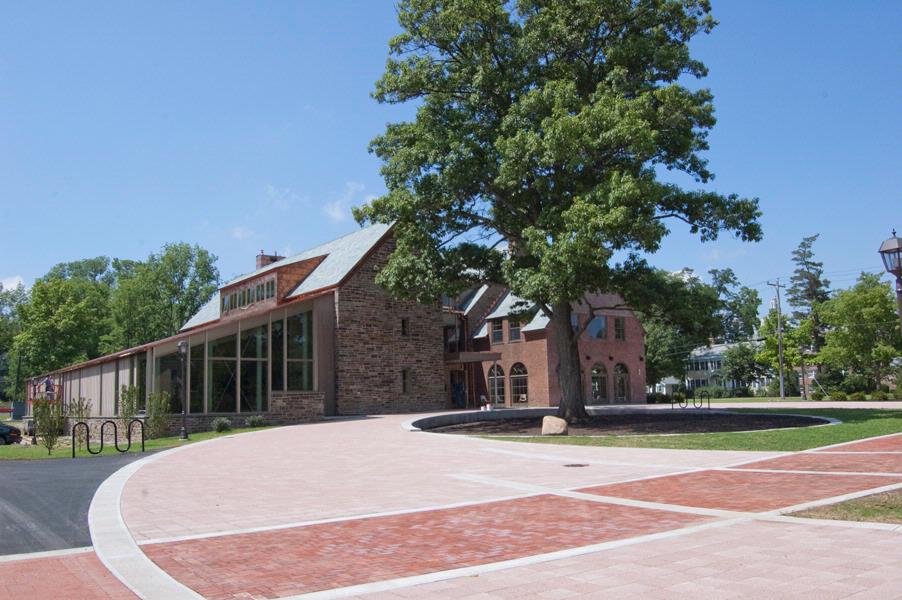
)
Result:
{"points": [[508, 361], [313, 335]]}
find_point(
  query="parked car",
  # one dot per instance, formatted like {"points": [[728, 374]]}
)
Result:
{"points": [[9, 434]]}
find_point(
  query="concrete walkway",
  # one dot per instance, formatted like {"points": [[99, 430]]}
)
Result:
{"points": [[364, 508]]}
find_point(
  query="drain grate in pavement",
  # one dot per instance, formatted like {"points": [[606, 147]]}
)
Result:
{"points": [[576, 465]]}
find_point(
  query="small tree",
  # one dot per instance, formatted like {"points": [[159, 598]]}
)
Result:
{"points": [[740, 365], [79, 410], [157, 421], [49, 420], [129, 401]]}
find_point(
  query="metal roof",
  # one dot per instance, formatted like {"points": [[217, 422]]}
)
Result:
{"points": [[341, 255]]}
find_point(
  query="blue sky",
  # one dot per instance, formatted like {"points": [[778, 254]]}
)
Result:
{"points": [[244, 126]]}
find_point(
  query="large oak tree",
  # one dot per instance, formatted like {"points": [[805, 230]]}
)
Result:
{"points": [[541, 129]]}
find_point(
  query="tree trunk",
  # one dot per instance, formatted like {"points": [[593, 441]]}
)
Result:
{"points": [[569, 376]]}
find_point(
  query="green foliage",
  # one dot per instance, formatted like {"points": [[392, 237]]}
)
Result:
{"points": [[62, 323], [130, 402], [10, 300], [158, 410], [857, 397], [94, 270], [79, 409], [838, 395], [155, 298], [790, 385], [544, 126], [713, 392], [863, 330], [739, 310], [682, 317], [740, 364], [49, 422], [255, 421], [879, 395], [808, 290], [817, 395], [220, 424]]}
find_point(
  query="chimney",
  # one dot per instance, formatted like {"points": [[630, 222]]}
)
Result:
{"points": [[267, 259]]}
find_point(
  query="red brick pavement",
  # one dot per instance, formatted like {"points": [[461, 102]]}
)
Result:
{"points": [[71, 577], [886, 444], [862, 463], [743, 491], [306, 559]]}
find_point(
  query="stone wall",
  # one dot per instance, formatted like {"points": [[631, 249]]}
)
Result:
{"points": [[372, 352], [286, 408]]}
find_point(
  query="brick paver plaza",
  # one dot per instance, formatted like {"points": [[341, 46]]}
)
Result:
{"points": [[365, 508]]}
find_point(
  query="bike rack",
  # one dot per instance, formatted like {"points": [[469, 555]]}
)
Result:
{"points": [[128, 436], [697, 402]]}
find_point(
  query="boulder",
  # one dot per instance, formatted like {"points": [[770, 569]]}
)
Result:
{"points": [[554, 426]]}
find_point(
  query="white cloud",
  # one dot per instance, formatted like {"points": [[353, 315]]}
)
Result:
{"points": [[8, 283], [281, 198], [241, 233], [340, 208]]}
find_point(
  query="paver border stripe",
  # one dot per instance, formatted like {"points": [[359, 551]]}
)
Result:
{"points": [[404, 582], [44, 554], [389, 513], [867, 439]]}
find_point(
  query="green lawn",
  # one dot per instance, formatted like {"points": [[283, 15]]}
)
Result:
{"points": [[856, 424], [880, 508], [19, 452]]}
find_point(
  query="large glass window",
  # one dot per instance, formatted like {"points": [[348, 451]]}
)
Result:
{"points": [[599, 384], [598, 328], [222, 374], [278, 355], [166, 379], [299, 345], [496, 385], [621, 383], [519, 383], [254, 384], [196, 393]]}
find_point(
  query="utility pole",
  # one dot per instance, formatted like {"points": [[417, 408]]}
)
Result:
{"points": [[779, 335]]}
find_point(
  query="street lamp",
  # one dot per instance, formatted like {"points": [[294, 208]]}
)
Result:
{"points": [[183, 356], [891, 253]]}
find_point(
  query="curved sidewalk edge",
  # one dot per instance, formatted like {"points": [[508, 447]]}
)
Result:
{"points": [[116, 548]]}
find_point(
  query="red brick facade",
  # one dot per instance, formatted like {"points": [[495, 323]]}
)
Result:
{"points": [[539, 357]]}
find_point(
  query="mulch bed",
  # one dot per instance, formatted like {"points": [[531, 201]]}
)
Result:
{"points": [[638, 424]]}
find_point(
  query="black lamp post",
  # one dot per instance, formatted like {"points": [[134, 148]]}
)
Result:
{"points": [[183, 356], [891, 253]]}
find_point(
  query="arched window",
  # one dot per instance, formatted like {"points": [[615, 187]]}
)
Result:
{"points": [[599, 384], [496, 385], [519, 383], [621, 383]]}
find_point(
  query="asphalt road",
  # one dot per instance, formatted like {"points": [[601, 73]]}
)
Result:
{"points": [[44, 503]]}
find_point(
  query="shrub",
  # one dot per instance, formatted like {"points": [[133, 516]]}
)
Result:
{"points": [[897, 393], [49, 421], [254, 421], [656, 398], [857, 397], [221, 424], [713, 390], [761, 393], [879, 395], [79, 410], [157, 420], [854, 383], [817, 395], [838, 395], [679, 396], [129, 402]]}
